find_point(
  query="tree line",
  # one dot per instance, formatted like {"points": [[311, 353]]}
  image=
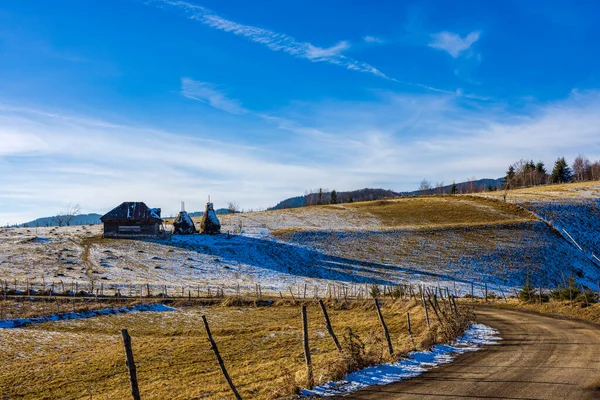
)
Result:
{"points": [[525, 173]]}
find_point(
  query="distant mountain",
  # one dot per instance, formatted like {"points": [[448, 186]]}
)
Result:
{"points": [[218, 211], [82, 219], [92, 219], [343, 197], [377, 194]]}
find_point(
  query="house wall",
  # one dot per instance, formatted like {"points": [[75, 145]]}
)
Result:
{"points": [[111, 228]]}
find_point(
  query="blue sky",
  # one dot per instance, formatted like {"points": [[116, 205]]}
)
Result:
{"points": [[104, 101]]}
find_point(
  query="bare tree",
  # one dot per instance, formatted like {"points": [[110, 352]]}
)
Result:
{"points": [[439, 187], [425, 185], [233, 207], [582, 168], [66, 217], [472, 184]]}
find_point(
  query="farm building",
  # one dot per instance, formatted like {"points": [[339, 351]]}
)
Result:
{"points": [[132, 219]]}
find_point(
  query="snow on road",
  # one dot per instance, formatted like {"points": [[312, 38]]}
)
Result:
{"points": [[416, 363]]}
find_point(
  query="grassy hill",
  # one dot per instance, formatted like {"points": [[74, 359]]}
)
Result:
{"points": [[446, 240]]}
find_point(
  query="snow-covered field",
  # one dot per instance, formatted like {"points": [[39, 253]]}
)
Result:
{"points": [[316, 245]]}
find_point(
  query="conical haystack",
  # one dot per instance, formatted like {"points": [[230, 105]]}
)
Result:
{"points": [[210, 223], [183, 224]]}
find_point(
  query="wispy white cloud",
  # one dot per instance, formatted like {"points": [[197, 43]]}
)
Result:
{"points": [[274, 40], [393, 141], [373, 39], [208, 93], [16, 142], [453, 43]]}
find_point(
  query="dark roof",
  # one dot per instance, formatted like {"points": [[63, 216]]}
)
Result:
{"points": [[133, 211]]}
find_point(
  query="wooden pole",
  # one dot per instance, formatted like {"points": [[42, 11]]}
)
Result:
{"points": [[454, 303], [503, 296], [486, 292], [135, 391], [435, 310], [220, 360], [329, 327], [426, 311], [408, 322], [385, 328], [309, 370]]}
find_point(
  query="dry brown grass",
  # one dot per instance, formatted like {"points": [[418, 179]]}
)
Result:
{"points": [[433, 211], [23, 307], [261, 346], [564, 191], [557, 308]]}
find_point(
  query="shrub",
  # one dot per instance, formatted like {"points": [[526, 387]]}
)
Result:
{"points": [[527, 293], [375, 291]]}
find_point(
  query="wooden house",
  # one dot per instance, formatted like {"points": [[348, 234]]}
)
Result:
{"points": [[132, 219]]}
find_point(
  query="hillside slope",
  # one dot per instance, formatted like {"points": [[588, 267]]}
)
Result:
{"points": [[445, 240]]}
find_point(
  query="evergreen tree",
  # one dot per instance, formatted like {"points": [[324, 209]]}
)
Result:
{"points": [[510, 174], [540, 168], [541, 175], [350, 200], [334, 198], [527, 293], [453, 188], [561, 172], [320, 197]]}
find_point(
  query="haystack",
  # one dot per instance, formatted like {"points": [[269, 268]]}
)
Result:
{"points": [[210, 223], [183, 224]]}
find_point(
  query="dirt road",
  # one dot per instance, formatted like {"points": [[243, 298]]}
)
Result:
{"points": [[539, 358]]}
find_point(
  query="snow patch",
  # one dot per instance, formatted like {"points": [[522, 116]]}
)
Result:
{"points": [[475, 336], [19, 322]]}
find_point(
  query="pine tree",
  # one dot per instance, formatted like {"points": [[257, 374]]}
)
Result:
{"points": [[541, 173], [350, 200], [540, 168], [334, 199], [320, 197], [510, 174], [453, 188], [561, 172]]}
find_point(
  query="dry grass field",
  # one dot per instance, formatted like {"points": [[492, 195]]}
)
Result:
{"points": [[436, 240], [548, 193], [261, 346], [575, 310]]}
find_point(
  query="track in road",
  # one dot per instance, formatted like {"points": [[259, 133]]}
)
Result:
{"points": [[540, 357]]}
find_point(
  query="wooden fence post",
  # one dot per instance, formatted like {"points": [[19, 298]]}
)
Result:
{"points": [[329, 327], [385, 329], [309, 370], [435, 309], [454, 304], [486, 292], [219, 359], [426, 311], [503, 296], [408, 322], [135, 391]]}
